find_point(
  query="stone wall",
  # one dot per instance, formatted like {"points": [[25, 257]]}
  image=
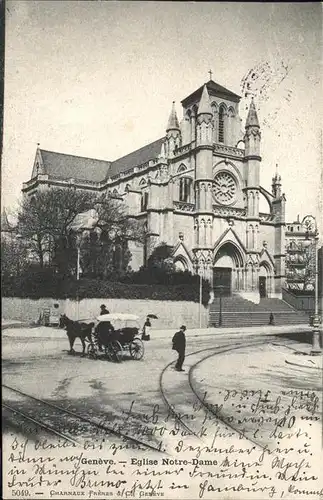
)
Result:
{"points": [[170, 314]]}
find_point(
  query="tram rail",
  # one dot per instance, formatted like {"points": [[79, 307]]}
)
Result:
{"points": [[73, 419]]}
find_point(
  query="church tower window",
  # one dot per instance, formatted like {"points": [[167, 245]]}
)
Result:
{"points": [[185, 189], [185, 185], [221, 124], [144, 201]]}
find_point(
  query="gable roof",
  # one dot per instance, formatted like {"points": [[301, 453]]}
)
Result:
{"points": [[73, 167], [214, 89], [81, 168], [225, 238], [181, 250], [136, 158], [265, 252]]}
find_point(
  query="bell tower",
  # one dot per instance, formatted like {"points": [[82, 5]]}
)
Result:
{"points": [[203, 224], [252, 161], [278, 205]]}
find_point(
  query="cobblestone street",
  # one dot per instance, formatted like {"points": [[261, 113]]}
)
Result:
{"points": [[42, 367], [236, 393]]}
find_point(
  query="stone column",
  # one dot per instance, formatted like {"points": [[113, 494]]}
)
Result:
{"points": [[234, 280], [193, 127], [238, 278]]}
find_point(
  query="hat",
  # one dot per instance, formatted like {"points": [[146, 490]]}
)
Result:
{"points": [[183, 327], [102, 306]]}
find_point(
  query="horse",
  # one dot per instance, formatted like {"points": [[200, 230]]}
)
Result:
{"points": [[76, 329]]}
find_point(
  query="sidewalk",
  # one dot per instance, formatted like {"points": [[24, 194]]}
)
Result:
{"points": [[14, 323], [247, 330], [19, 329], [303, 359]]}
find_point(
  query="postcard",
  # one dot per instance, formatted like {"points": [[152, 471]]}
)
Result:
{"points": [[161, 251]]}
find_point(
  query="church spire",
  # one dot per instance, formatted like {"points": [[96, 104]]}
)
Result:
{"points": [[205, 105], [252, 118], [173, 123], [173, 133], [276, 184]]}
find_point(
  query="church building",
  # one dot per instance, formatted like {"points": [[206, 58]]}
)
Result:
{"points": [[198, 190]]}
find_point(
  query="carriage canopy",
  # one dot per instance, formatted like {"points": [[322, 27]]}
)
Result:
{"points": [[118, 317]]}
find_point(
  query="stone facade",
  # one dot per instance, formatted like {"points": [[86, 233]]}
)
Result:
{"points": [[197, 189]]}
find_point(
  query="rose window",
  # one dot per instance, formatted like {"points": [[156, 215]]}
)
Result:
{"points": [[225, 188]]}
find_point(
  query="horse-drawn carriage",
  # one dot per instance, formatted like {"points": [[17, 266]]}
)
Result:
{"points": [[113, 334], [116, 334]]}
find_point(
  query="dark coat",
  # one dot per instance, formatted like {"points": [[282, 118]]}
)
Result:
{"points": [[179, 341], [104, 331]]}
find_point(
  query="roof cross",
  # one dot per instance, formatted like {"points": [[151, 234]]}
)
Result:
{"points": [[210, 73]]}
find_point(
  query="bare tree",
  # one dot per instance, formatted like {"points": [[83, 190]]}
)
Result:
{"points": [[114, 228], [45, 219], [48, 222], [14, 256], [112, 216]]}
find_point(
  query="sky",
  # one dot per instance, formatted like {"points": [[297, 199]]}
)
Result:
{"points": [[97, 79]]}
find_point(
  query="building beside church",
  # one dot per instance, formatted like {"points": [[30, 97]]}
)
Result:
{"points": [[198, 190], [300, 256]]}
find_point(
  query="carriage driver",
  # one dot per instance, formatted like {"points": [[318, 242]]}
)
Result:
{"points": [[103, 310], [104, 330]]}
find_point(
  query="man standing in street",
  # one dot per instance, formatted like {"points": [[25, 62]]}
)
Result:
{"points": [[179, 344]]}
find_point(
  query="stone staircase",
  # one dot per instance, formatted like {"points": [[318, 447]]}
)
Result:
{"points": [[237, 311]]}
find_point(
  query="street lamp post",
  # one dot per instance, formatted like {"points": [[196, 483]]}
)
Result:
{"points": [[200, 271], [220, 288], [220, 312], [78, 263], [78, 269], [316, 348], [82, 224], [311, 229], [200, 301]]}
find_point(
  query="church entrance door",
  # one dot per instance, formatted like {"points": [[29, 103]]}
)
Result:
{"points": [[262, 287], [222, 279]]}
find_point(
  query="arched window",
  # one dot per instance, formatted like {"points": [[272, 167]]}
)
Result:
{"points": [[180, 264], [221, 124], [185, 184], [214, 108], [144, 201]]}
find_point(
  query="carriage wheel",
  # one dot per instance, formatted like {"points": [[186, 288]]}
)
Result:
{"points": [[136, 349], [108, 351], [92, 352], [114, 351]]}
